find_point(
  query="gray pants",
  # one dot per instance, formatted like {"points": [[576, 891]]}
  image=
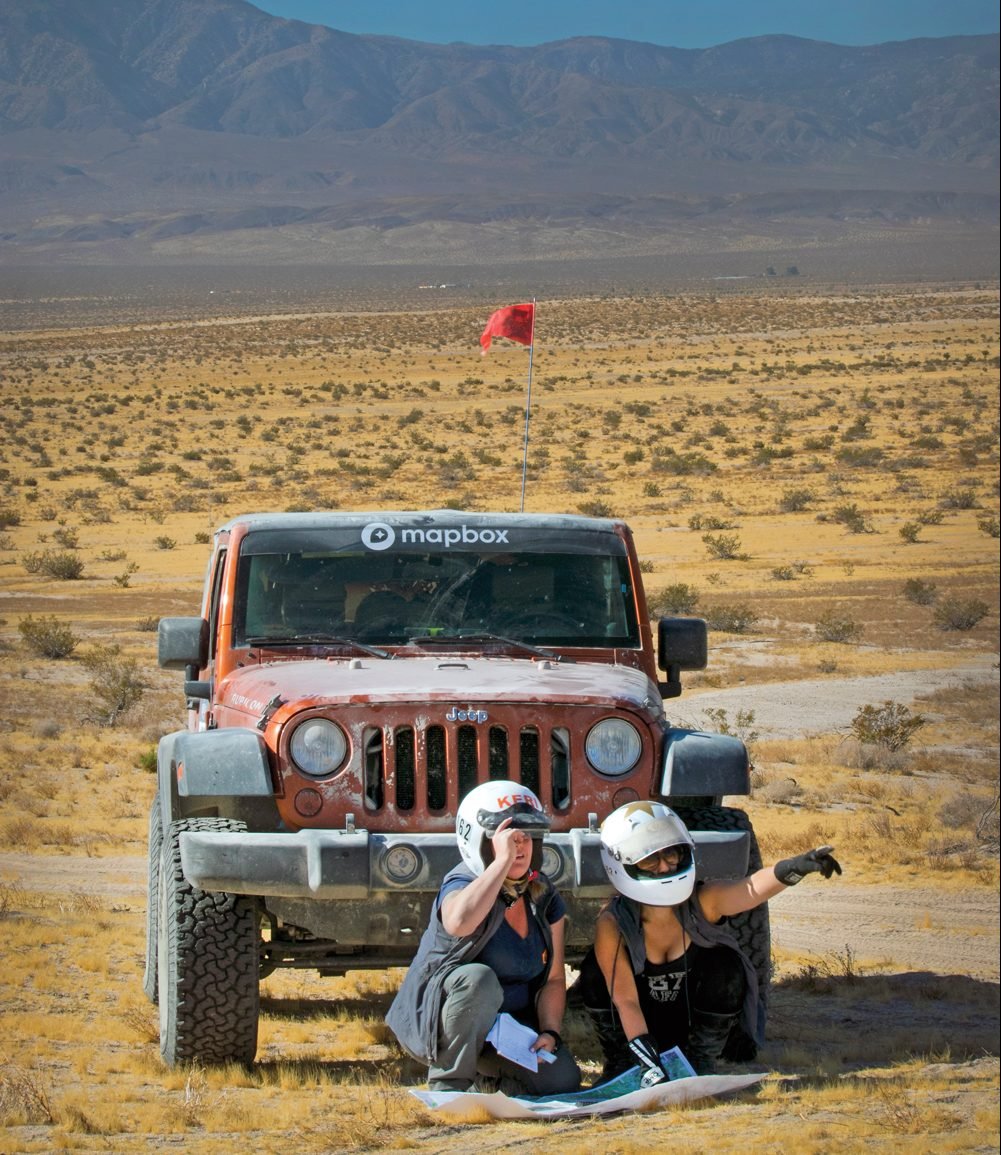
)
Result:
{"points": [[473, 997]]}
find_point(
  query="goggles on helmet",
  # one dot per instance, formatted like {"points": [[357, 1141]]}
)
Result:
{"points": [[524, 816]]}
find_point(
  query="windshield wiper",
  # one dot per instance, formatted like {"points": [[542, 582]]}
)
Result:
{"points": [[457, 639], [318, 640]]}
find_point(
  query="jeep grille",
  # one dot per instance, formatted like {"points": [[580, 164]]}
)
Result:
{"points": [[410, 767]]}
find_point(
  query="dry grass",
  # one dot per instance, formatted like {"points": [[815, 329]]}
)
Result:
{"points": [[814, 428]]}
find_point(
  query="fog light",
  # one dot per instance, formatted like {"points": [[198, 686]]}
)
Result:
{"points": [[552, 862], [401, 863], [308, 802]]}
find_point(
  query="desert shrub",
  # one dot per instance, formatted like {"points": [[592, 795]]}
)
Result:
{"points": [[960, 613], [123, 579], [795, 569], [116, 684], [6, 541], [60, 564], [723, 546], [961, 497], [741, 727], [9, 517], [733, 617], [677, 598], [833, 626], [202, 538], [66, 537], [860, 456], [852, 518], [47, 636], [920, 592], [665, 460], [23, 1098], [910, 531], [148, 760], [595, 509], [796, 500], [706, 521], [164, 542], [989, 525], [890, 726], [148, 625]]}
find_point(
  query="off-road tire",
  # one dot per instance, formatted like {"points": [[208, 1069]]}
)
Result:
{"points": [[751, 929], [154, 844], [207, 963]]}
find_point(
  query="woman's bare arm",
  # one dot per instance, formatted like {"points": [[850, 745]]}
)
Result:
{"points": [[463, 910], [613, 958]]}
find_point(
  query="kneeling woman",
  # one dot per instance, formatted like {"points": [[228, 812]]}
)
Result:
{"points": [[494, 943], [663, 971]]}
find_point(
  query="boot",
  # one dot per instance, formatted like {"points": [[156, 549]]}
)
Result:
{"points": [[614, 1047], [706, 1039]]}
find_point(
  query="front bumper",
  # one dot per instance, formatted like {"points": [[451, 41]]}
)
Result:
{"points": [[352, 864]]}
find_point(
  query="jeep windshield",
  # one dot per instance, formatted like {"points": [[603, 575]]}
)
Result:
{"points": [[294, 584]]}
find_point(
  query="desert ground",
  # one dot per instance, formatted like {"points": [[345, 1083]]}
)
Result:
{"points": [[813, 469]]}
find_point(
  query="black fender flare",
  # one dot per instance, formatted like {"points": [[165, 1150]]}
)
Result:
{"points": [[208, 773], [696, 763]]}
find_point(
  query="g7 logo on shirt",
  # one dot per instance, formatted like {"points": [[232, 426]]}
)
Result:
{"points": [[665, 988]]}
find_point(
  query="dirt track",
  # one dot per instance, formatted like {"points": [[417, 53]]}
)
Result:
{"points": [[801, 709]]}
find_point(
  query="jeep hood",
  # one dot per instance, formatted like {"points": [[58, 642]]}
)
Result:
{"points": [[444, 678]]}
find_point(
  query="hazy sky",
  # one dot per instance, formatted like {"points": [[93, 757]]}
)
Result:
{"points": [[677, 23]]}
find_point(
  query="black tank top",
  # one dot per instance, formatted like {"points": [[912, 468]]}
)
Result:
{"points": [[665, 982]]}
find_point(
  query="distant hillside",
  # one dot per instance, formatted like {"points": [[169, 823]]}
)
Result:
{"points": [[133, 128]]}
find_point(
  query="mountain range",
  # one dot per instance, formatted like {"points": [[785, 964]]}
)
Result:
{"points": [[176, 130]]}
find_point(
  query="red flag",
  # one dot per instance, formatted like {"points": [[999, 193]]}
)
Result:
{"points": [[516, 322]]}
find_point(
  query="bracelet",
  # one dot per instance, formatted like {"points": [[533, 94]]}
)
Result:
{"points": [[555, 1036]]}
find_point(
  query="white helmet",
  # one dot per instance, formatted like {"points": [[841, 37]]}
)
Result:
{"points": [[634, 832], [484, 808]]}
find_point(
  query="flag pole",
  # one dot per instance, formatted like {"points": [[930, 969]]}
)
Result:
{"points": [[528, 409]]}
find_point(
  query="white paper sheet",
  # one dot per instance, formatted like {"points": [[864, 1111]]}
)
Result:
{"points": [[514, 1041]]}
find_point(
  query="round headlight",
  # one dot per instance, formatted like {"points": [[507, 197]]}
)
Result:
{"points": [[613, 746], [318, 747]]}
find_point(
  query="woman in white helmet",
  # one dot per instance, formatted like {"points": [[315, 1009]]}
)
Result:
{"points": [[663, 972], [494, 943]]}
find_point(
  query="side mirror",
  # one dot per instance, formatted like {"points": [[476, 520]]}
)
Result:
{"points": [[182, 642], [682, 644]]}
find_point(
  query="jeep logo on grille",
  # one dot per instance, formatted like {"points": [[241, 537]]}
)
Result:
{"points": [[467, 715]]}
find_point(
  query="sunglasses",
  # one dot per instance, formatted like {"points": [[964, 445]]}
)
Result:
{"points": [[661, 861]]}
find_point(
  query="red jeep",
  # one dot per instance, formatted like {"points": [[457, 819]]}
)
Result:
{"points": [[350, 678]]}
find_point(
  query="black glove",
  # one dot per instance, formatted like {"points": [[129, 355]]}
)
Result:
{"points": [[645, 1049], [792, 870]]}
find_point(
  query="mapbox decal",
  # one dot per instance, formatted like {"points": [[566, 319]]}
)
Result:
{"points": [[378, 535]]}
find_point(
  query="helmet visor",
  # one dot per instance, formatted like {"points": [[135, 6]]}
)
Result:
{"points": [[647, 838]]}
